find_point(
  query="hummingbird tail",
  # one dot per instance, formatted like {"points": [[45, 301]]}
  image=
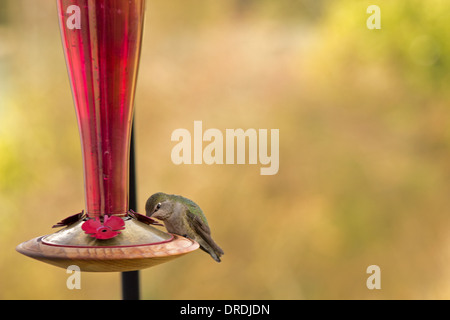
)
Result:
{"points": [[212, 249]]}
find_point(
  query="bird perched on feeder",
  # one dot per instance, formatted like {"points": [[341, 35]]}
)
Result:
{"points": [[183, 217]]}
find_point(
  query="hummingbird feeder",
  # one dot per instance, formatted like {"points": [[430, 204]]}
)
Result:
{"points": [[102, 44]]}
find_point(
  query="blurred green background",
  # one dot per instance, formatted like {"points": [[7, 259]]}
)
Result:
{"points": [[364, 122]]}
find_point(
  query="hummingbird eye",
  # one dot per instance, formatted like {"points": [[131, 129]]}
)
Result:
{"points": [[158, 206]]}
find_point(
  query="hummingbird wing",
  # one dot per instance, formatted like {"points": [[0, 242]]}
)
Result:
{"points": [[202, 229], [198, 224]]}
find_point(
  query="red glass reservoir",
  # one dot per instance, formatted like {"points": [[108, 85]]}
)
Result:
{"points": [[102, 41]]}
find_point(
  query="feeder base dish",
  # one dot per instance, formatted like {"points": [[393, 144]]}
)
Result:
{"points": [[139, 246]]}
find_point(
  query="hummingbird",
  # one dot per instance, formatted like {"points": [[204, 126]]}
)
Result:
{"points": [[183, 217]]}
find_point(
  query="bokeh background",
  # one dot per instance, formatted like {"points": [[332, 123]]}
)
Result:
{"points": [[364, 120]]}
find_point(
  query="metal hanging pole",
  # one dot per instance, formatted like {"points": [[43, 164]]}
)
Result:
{"points": [[130, 279]]}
